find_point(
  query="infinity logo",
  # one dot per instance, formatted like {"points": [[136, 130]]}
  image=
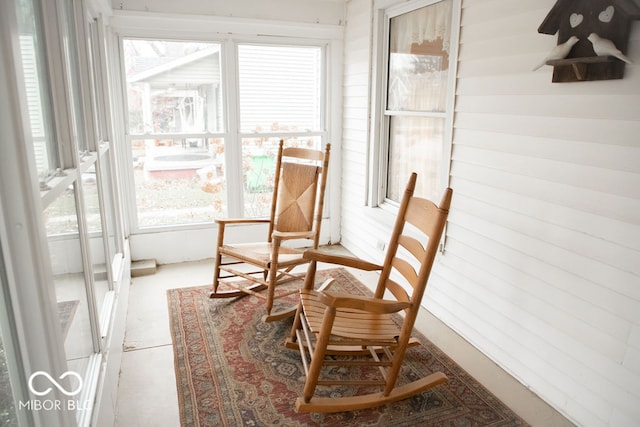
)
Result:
{"points": [[55, 383]]}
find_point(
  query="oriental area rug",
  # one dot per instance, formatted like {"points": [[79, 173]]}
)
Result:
{"points": [[233, 370]]}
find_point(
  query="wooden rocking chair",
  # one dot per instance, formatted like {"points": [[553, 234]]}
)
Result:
{"points": [[329, 326], [296, 213]]}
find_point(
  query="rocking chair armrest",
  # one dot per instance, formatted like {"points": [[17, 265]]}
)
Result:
{"points": [[345, 260], [369, 304], [289, 235], [229, 221]]}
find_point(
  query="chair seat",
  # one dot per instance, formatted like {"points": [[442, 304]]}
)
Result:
{"points": [[260, 254], [350, 323]]}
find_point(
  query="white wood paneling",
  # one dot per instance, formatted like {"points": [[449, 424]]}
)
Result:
{"points": [[546, 177], [542, 261], [356, 95]]}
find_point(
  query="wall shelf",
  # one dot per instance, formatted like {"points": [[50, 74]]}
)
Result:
{"points": [[583, 70]]}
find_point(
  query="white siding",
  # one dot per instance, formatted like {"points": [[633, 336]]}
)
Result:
{"points": [[542, 264], [355, 133]]}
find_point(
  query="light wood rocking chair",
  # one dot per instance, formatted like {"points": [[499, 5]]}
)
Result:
{"points": [[296, 213], [329, 326]]}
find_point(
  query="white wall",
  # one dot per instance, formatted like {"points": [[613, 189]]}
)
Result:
{"points": [[541, 270], [199, 243]]}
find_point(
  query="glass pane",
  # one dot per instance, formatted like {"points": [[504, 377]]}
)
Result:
{"points": [[7, 402], [106, 190], [415, 146], [8, 415], [98, 89], [71, 53], [68, 274], [280, 88], [179, 181], [419, 59], [38, 99], [258, 166], [173, 87], [96, 241]]}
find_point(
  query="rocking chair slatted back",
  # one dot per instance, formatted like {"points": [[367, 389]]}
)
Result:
{"points": [[406, 251]]}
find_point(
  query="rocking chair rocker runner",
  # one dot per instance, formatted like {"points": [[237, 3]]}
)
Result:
{"points": [[296, 213], [329, 326]]}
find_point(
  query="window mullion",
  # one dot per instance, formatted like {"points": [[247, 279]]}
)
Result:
{"points": [[233, 144]]}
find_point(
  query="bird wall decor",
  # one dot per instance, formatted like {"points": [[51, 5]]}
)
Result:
{"points": [[605, 47], [559, 52], [603, 29]]}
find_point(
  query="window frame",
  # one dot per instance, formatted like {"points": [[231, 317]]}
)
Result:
{"points": [[81, 143], [232, 133], [25, 253], [28, 258], [384, 11], [323, 127]]}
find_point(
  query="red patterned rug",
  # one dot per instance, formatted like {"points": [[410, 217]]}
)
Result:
{"points": [[233, 370]]}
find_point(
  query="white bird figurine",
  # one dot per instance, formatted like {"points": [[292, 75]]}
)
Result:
{"points": [[605, 47], [559, 52]]}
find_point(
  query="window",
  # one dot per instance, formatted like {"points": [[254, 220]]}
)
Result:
{"points": [[418, 93], [280, 95], [176, 124], [204, 130]]}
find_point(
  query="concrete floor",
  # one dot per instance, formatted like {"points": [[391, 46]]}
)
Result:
{"points": [[147, 390]]}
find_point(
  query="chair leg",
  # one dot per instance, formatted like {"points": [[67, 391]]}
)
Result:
{"points": [[216, 268], [297, 325], [317, 359], [392, 373], [273, 275], [285, 313], [309, 280], [271, 289], [216, 273]]}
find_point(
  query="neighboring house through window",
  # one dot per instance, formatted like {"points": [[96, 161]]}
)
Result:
{"points": [[205, 119]]}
